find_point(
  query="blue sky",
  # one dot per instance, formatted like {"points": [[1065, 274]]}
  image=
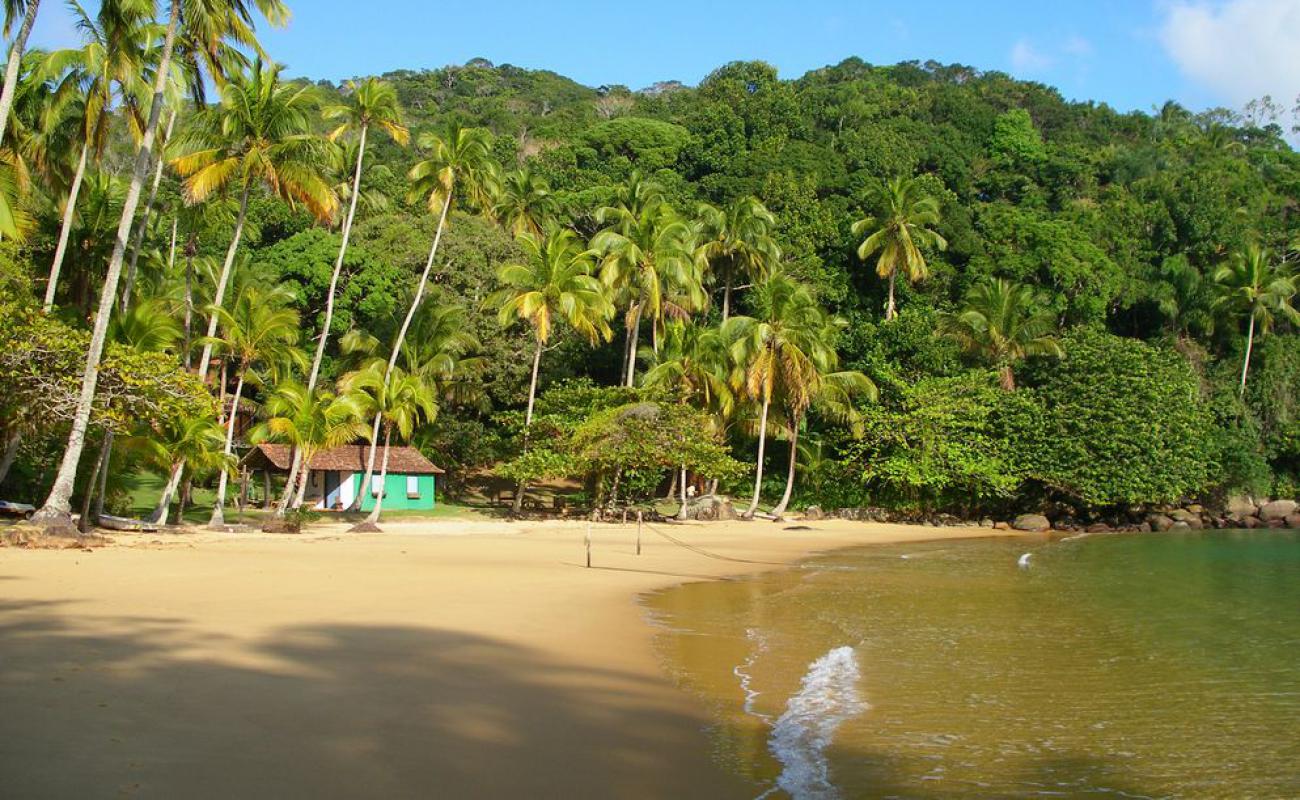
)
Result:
{"points": [[1133, 54]]}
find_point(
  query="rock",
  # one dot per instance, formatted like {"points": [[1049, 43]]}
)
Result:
{"points": [[987, 523], [1098, 527], [814, 513], [1196, 508], [1144, 527], [1293, 521], [1001, 526], [1278, 509], [1275, 523], [1160, 522], [1240, 506], [274, 525], [1192, 519], [712, 509], [1250, 523], [1032, 522], [1180, 526]]}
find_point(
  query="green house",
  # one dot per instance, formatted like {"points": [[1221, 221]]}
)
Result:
{"points": [[336, 474]]}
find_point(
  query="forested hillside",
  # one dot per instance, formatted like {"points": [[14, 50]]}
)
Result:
{"points": [[997, 300]]}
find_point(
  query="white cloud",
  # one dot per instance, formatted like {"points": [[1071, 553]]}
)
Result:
{"points": [[1077, 46], [1027, 58], [1238, 49]]}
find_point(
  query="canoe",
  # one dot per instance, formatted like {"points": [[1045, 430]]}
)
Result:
{"points": [[123, 524]]}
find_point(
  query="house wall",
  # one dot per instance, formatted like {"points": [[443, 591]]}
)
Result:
{"points": [[395, 498]]}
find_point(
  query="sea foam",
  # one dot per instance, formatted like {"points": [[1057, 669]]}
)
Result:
{"points": [[826, 698]]}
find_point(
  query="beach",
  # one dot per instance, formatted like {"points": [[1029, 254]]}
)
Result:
{"points": [[451, 658]]}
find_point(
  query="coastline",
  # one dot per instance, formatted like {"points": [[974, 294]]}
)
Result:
{"points": [[450, 657]]}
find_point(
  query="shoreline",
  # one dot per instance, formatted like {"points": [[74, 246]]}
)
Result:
{"points": [[456, 657]]}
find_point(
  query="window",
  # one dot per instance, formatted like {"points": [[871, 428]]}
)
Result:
{"points": [[412, 487], [375, 487]]}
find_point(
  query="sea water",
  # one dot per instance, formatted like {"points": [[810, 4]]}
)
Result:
{"points": [[1107, 666]]}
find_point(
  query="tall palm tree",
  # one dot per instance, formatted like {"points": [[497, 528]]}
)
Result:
{"points": [[524, 204], [999, 322], [401, 402], [260, 132], [308, 422], [901, 226], [258, 332], [183, 445], [554, 281], [737, 243], [15, 10], [1251, 283], [647, 259], [371, 103], [108, 66], [459, 168], [208, 24], [774, 351]]}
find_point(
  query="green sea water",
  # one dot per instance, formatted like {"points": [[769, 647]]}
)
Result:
{"points": [[1109, 666]]}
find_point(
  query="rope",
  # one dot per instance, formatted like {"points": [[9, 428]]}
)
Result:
{"points": [[701, 551]]}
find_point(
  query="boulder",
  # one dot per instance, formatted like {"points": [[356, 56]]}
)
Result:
{"points": [[986, 523], [712, 509], [1001, 526], [1098, 527], [1144, 527], [1249, 523], [1186, 515], [1179, 525], [1240, 506], [1160, 522], [1032, 522], [1293, 521], [1278, 509], [813, 513]]}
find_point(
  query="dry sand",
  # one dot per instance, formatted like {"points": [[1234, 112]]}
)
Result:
{"points": [[438, 659]]}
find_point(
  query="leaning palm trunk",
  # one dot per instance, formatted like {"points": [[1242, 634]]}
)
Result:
{"points": [[789, 475], [290, 482], [137, 242], [338, 266], [58, 504], [101, 485], [373, 517], [758, 471], [10, 454], [633, 334], [1245, 362], [401, 339], [218, 507], [65, 229], [528, 421], [101, 462], [15, 61], [681, 512], [890, 310]]}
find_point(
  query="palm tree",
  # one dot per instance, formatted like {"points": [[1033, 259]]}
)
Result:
{"points": [[1251, 283], [1184, 297], [183, 445], [554, 281], [109, 65], [308, 422], [371, 103], [737, 243], [208, 23], [400, 401], [459, 166], [774, 351], [524, 204], [15, 10], [898, 231], [258, 332], [999, 323], [647, 259], [260, 132]]}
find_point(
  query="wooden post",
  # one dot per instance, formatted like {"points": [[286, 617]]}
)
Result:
{"points": [[638, 533], [588, 543]]}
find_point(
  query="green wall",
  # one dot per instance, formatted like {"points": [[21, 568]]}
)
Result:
{"points": [[395, 493]]}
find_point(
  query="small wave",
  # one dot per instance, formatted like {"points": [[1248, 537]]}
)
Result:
{"points": [[826, 698], [741, 671]]}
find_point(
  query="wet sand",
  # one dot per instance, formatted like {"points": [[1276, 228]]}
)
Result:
{"points": [[438, 659]]}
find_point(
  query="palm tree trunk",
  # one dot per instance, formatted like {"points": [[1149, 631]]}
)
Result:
{"points": [[633, 333], [373, 518], [102, 483], [189, 306], [401, 339], [15, 61], [218, 507], [163, 509], [890, 311], [726, 298], [1007, 378], [758, 470], [290, 482], [65, 230], [304, 477], [92, 481], [789, 476], [1245, 362], [681, 512], [224, 279], [528, 421], [137, 243], [58, 504], [10, 454], [338, 266]]}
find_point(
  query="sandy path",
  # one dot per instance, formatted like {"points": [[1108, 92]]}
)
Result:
{"points": [[403, 664]]}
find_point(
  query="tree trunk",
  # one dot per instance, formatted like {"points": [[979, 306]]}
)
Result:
{"points": [[10, 454], [1007, 378], [142, 228], [226, 267], [164, 503], [672, 486], [1245, 362], [187, 493], [528, 421], [290, 482], [189, 305], [65, 230], [218, 507], [58, 504], [681, 512], [633, 333], [304, 477], [401, 339], [338, 266], [758, 470], [789, 476], [373, 518], [726, 298], [92, 481], [15, 61], [890, 311], [102, 483], [266, 488]]}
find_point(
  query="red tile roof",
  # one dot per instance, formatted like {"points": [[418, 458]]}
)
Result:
{"points": [[347, 458]]}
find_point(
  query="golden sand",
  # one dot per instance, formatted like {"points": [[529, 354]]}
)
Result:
{"points": [[437, 659]]}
